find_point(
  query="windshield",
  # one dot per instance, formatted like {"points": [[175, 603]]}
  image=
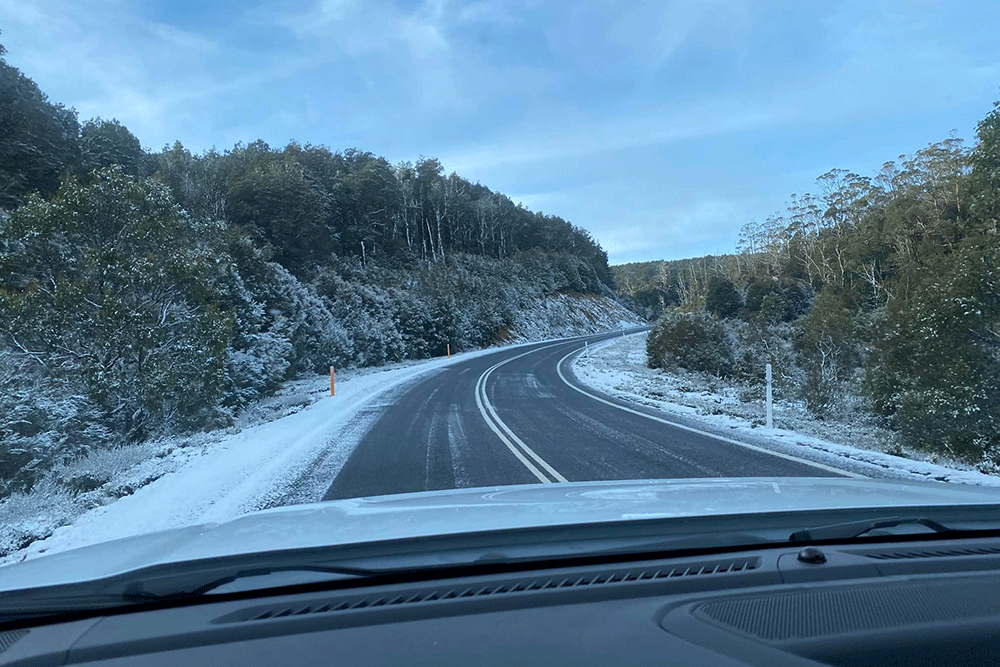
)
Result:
{"points": [[289, 256]]}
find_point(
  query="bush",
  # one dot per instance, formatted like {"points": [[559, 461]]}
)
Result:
{"points": [[104, 284], [829, 352], [935, 367], [722, 300], [773, 301], [757, 345], [695, 341]]}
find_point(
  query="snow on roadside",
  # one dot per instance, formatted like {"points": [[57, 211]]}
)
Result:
{"points": [[280, 451], [570, 314], [217, 476], [618, 367]]}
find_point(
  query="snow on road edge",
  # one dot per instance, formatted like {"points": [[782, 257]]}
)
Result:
{"points": [[617, 368], [259, 467]]}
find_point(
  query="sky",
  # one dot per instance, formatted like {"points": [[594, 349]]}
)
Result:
{"points": [[660, 126]]}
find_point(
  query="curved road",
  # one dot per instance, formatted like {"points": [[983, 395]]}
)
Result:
{"points": [[519, 416]]}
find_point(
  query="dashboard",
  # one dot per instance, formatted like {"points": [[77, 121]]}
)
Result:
{"points": [[934, 602]]}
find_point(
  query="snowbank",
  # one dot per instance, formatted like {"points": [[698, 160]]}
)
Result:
{"points": [[618, 367], [285, 450], [570, 314], [292, 459]]}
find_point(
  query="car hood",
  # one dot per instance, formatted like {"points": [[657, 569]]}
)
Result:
{"points": [[412, 515]]}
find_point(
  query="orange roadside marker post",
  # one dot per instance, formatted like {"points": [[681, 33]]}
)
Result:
{"points": [[331, 381], [449, 350]]}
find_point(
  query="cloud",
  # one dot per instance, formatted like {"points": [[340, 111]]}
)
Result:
{"points": [[363, 29], [646, 121], [96, 56], [389, 47], [161, 81], [595, 137]]}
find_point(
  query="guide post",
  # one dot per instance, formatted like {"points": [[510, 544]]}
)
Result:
{"points": [[770, 416]]}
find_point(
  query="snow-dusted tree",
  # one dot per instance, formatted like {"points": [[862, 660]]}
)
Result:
{"points": [[104, 143], [112, 282]]}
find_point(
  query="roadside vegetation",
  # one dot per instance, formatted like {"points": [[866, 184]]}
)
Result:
{"points": [[149, 293], [876, 299]]}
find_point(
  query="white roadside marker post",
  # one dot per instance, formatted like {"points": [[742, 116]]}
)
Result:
{"points": [[770, 414]]}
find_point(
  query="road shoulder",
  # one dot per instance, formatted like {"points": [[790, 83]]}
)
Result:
{"points": [[617, 368]]}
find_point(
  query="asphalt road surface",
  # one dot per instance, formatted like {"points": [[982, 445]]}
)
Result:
{"points": [[519, 416]]}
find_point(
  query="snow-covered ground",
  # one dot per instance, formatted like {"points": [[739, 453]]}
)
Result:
{"points": [[618, 367], [216, 476], [565, 315], [284, 450]]}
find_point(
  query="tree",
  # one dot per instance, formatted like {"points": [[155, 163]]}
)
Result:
{"points": [[198, 183], [985, 176], [825, 341], [936, 367], [104, 143], [277, 200], [722, 299], [38, 139]]}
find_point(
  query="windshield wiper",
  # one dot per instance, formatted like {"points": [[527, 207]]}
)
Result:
{"points": [[188, 585], [852, 529], [174, 585]]}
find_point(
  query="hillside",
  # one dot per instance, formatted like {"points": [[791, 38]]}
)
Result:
{"points": [[652, 287], [149, 293], [877, 302]]}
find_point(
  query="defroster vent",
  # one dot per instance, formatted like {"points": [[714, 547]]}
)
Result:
{"points": [[8, 638], [353, 603], [947, 552]]}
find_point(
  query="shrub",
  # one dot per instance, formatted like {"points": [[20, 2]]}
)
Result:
{"points": [[722, 300], [755, 346], [829, 353], [695, 341]]}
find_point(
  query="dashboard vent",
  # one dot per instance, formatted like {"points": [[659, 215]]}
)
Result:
{"points": [[510, 588], [933, 553], [8, 638]]}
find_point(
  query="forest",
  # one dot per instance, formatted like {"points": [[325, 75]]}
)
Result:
{"points": [[145, 293], [883, 288]]}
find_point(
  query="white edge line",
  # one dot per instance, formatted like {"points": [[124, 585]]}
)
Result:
{"points": [[755, 448]]}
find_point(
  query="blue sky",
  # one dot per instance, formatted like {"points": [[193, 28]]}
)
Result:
{"points": [[660, 126]]}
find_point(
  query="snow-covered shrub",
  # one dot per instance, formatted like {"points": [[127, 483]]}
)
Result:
{"points": [[45, 420], [258, 367], [29, 516], [755, 345], [318, 339], [694, 341], [110, 283]]}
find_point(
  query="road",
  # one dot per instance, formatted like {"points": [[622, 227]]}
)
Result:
{"points": [[519, 416]]}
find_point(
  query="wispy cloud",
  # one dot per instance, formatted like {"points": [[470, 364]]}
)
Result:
{"points": [[75, 51], [592, 138]]}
